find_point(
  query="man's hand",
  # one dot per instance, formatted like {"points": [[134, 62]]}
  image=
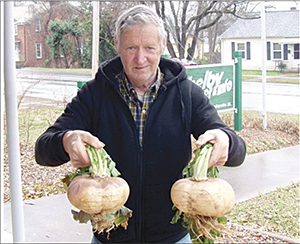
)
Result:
{"points": [[220, 141], [74, 143]]}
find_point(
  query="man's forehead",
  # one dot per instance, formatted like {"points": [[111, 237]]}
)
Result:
{"points": [[141, 30]]}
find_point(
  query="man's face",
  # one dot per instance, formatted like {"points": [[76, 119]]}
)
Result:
{"points": [[140, 50]]}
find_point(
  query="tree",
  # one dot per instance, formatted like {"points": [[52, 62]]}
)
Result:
{"points": [[185, 18], [66, 44], [109, 12], [56, 40]]}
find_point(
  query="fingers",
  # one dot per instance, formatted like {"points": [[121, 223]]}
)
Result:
{"points": [[220, 141], [78, 155], [75, 142], [88, 138]]}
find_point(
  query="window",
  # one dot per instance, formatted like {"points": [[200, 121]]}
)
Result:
{"points": [[17, 50], [296, 51], [244, 48], [38, 25], [38, 48], [241, 48], [277, 51]]}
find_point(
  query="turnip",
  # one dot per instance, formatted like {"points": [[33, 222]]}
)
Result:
{"points": [[203, 200], [99, 193]]}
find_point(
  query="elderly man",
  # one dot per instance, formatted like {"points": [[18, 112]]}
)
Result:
{"points": [[144, 109]]}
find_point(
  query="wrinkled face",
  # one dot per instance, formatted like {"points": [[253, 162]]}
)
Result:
{"points": [[140, 50]]}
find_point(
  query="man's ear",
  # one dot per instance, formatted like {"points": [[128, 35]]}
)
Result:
{"points": [[164, 44], [116, 45]]}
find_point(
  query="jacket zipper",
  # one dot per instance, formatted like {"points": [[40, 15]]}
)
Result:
{"points": [[141, 219], [139, 211], [141, 225], [140, 205]]}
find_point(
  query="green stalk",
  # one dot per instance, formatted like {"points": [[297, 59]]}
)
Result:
{"points": [[201, 162], [101, 163]]}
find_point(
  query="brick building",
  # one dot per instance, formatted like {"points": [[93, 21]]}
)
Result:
{"points": [[31, 30]]}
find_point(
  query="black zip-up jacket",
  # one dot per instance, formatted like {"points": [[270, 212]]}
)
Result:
{"points": [[180, 109]]}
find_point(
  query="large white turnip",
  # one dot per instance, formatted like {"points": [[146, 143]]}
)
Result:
{"points": [[202, 199], [99, 193], [212, 197]]}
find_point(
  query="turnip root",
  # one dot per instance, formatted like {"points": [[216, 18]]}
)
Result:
{"points": [[99, 193], [213, 197], [202, 200]]}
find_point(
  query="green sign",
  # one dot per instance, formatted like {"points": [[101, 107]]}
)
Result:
{"points": [[217, 82]]}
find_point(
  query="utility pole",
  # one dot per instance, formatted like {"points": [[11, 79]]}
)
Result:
{"points": [[264, 72], [95, 49]]}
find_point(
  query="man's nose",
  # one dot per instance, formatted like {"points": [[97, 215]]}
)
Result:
{"points": [[140, 56]]}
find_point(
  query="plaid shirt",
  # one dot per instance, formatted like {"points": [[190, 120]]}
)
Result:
{"points": [[139, 109]]}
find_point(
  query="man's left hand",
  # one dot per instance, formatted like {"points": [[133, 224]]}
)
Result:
{"points": [[220, 141]]}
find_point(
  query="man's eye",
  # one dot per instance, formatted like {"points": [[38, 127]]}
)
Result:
{"points": [[131, 48], [150, 48]]}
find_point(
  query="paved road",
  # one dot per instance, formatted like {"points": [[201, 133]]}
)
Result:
{"points": [[60, 87], [282, 98]]}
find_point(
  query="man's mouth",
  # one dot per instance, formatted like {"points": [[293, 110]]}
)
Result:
{"points": [[140, 68]]}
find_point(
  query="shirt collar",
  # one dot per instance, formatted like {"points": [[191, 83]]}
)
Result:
{"points": [[130, 89]]}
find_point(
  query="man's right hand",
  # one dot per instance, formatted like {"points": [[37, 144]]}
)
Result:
{"points": [[75, 142]]}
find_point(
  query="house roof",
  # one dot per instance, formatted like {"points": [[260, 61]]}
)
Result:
{"points": [[278, 24]]}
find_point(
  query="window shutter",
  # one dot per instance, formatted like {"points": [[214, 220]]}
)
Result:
{"points": [[268, 50], [285, 52], [248, 51], [232, 50]]}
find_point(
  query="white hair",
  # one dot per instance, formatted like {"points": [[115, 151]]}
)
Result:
{"points": [[137, 15]]}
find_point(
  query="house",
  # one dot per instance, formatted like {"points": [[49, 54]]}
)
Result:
{"points": [[282, 40], [31, 30]]}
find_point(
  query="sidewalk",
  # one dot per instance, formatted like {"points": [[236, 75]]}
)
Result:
{"points": [[49, 219]]}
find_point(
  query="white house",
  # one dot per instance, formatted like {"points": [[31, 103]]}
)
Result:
{"points": [[282, 37]]}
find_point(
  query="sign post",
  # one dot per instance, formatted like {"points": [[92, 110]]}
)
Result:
{"points": [[238, 91]]}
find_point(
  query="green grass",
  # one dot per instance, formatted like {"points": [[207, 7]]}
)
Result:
{"points": [[272, 76], [75, 71], [275, 212], [259, 72], [33, 122]]}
